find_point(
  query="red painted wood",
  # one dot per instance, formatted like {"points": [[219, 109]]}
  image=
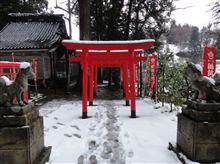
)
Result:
{"points": [[95, 79], [94, 57], [91, 84], [85, 84], [108, 47], [132, 83], [125, 81], [9, 64]]}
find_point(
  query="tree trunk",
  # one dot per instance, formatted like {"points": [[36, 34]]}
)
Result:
{"points": [[84, 28], [137, 22], [128, 20], [70, 20], [84, 19]]}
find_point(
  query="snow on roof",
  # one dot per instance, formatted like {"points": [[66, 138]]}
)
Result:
{"points": [[34, 14], [7, 80], [109, 42], [24, 65]]}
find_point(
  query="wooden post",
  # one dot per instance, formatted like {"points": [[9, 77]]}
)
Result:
{"points": [[85, 85], [91, 84], [125, 83], [132, 85], [95, 79]]}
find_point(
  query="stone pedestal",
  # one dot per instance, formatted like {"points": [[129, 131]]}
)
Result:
{"points": [[198, 132], [22, 136]]}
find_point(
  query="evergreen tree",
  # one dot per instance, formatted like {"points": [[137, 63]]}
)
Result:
{"points": [[132, 19], [179, 34], [206, 36], [194, 43], [171, 37], [106, 19], [148, 18], [216, 11], [217, 43], [20, 6], [171, 80]]}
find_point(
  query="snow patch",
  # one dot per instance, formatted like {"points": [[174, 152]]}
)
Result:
{"points": [[211, 80], [198, 67], [173, 48], [7, 80]]}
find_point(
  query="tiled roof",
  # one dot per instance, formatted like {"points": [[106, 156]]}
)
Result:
{"points": [[28, 31]]}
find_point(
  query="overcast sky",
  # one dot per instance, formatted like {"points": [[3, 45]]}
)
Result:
{"points": [[197, 14]]}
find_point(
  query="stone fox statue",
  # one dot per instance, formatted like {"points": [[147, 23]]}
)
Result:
{"points": [[18, 88], [205, 87]]}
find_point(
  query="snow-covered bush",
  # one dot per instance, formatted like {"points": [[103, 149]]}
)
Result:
{"points": [[171, 81]]}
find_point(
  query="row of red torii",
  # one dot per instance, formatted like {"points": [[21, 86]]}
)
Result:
{"points": [[96, 54]]}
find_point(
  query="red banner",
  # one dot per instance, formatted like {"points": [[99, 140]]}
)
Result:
{"points": [[35, 65], [153, 74], [209, 64]]}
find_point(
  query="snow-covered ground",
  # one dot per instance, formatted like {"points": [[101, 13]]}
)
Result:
{"points": [[109, 135]]}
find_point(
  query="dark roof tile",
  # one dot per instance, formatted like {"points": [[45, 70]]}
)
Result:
{"points": [[27, 34]]}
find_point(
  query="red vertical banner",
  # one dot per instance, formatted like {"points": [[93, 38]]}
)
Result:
{"points": [[35, 65], [209, 64], [153, 74]]}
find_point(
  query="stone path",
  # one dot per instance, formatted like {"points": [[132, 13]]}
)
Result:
{"points": [[104, 140]]}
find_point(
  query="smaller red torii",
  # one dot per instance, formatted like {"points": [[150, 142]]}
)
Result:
{"points": [[122, 54]]}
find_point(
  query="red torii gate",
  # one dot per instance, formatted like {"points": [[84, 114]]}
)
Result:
{"points": [[94, 54]]}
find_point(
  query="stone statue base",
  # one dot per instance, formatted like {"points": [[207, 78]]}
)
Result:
{"points": [[22, 136], [198, 130]]}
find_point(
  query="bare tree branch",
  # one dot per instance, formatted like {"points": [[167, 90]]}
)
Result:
{"points": [[184, 8], [58, 7]]}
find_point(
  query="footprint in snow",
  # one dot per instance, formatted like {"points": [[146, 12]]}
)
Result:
{"points": [[92, 145], [130, 154], [77, 135], [126, 135], [59, 123], [75, 126], [81, 159], [67, 135], [92, 159], [55, 118], [55, 127]]}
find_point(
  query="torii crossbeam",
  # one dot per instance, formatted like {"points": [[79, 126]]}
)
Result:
{"points": [[94, 54]]}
